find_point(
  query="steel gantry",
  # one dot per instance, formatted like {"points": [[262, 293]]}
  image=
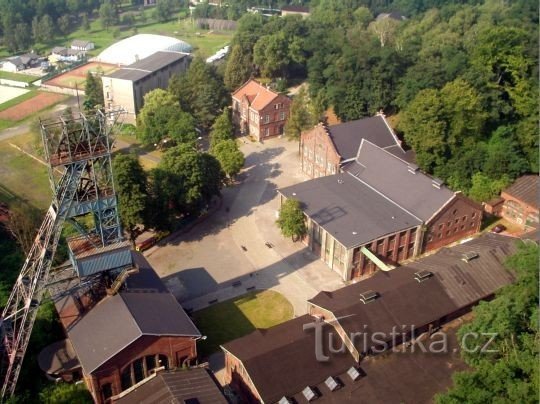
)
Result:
{"points": [[78, 150]]}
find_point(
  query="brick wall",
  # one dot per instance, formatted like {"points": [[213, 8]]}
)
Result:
{"points": [[319, 156]]}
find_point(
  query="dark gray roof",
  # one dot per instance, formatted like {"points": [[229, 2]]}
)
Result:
{"points": [[177, 387], [79, 42], [348, 136], [97, 336], [412, 191], [526, 189], [464, 283], [144, 67], [348, 209], [59, 50], [281, 360]]}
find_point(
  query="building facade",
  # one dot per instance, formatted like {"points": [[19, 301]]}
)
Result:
{"points": [[520, 204], [126, 87], [259, 112], [324, 149], [379, 212]]}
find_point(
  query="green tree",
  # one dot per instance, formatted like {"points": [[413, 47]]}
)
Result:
{"points": [[229, 156], [64, 24], [85, 24], [151, 125], [93, 90], [131, 186], [238, 69], [200, 92], [108, 14], [184, 182], [510, 372], [164, 10], [22, 37], [65, 393], [484, 188], [291, 219], [46, 29], [302, 115], [222, 129]]}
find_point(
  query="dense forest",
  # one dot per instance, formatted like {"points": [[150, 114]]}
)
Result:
{"points": [[459, 79]]}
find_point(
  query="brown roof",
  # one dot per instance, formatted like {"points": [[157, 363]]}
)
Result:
{"points": [[180, 387], [401, 377], [281, 360], [58, 358], [525, 189], [257, 95]]}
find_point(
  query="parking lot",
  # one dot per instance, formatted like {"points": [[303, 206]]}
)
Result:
{"points": [[239, 247]]}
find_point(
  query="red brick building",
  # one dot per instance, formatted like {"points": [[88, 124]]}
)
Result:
{"points": [[259, 111], [380, 212], [121, 340], [520, 204], [325, 148]]}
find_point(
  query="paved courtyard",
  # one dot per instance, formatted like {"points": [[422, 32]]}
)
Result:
{"points": [[227, 255]]}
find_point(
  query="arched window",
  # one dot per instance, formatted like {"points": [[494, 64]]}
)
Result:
{"points": [[141, 368]]}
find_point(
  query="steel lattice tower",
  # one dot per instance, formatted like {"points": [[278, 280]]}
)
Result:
{"points": [[78, 151]]}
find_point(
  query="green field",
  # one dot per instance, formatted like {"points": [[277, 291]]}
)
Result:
{"points": [[235, 318], [22, 177], [204, 42], [17, 77]]}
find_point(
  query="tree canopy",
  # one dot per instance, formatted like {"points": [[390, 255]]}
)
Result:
{"points": [[131, 186], [222, 129], [229, 156], [291, 219], [93, 90]]}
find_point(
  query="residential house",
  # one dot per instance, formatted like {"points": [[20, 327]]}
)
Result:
{"points": [[21, 62], [62, 54], [326, 355], [324, 149], [127, 86], [295, 10], [258, 111], [81, 45], [381, 211], [519, 202], [117, 341]]}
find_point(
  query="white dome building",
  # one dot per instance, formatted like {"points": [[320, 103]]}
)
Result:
{"points": [[137, 47]]}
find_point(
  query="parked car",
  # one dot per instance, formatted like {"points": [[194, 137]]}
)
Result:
{"points": [[498, 229]]}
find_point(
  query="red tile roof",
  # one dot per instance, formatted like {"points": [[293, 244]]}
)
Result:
{"points": [[257, 95]]}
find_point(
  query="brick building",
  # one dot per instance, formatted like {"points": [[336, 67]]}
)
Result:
{"points": [[280, 364], [519, 202], [121, 339], [381, 211], [325, 148], [259, 111]]}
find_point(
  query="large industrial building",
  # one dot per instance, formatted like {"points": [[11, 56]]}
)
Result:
{"points": [[126, 87]]}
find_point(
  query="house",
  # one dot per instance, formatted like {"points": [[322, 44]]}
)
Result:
{"points": [[62, 54], [295, 10], [196, 385], [81, 45], [127, 86], [520, 202], [117, 341], [21, 62], [259, 111], [379, 212], [324, 149], [353, 324]]}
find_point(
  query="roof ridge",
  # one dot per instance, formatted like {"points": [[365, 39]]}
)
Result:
{"points": [[384, 196]]}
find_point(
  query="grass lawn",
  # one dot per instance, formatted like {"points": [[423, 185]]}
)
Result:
{"points": [[18, 77], [235, 318], [21, 177], [203, 41], [17, 100]]}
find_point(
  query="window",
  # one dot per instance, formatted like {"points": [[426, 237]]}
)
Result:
{"points": [[106, 391], [464, 218], [441, 226], [462, 227], [282, 116], [430, 238], [266, 131], [439, 235], [472, 224], [473, 215], [266, 118], [448, 232], [454, 212], [457, 221], [281, 129]]}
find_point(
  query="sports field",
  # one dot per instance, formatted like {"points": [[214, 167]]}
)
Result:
{"points": [[26, 108], [8, 93], [75, 78]]}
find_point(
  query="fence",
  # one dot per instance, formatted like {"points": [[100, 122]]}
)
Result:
{"points": [[217, 25]]}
